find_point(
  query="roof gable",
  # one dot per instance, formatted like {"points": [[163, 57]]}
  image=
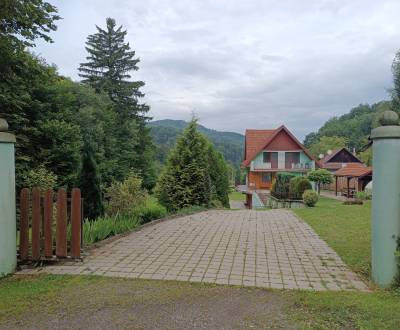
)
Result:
{"points": [[254, 140], [340, 156], [280, 139]]}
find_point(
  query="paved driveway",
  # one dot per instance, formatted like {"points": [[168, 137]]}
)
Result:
{"points": [[272, 249]]}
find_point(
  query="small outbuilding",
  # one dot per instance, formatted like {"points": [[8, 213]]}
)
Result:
{"points": [[357, 177]]}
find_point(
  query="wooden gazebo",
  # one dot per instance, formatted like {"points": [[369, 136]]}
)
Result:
{"points": [[356, 174]]}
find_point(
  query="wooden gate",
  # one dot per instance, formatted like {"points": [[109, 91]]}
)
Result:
{"points": [[42, 238]]}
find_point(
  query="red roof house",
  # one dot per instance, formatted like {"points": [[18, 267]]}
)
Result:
{"points": [[268, 152]]}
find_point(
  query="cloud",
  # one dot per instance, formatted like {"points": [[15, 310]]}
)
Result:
{"points": [[245, 64]]}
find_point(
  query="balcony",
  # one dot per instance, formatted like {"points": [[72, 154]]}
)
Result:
{"points": [[258, 166], [301, 166]]}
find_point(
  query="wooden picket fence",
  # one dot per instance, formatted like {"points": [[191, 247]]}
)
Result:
{"points": [[37, 240]]}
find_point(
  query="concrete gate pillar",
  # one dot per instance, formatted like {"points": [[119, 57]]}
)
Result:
{"points": [[8, 244], [385, 198]]}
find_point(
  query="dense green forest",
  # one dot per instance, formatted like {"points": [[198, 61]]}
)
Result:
{"points": [[165, 133], [55, 118]]}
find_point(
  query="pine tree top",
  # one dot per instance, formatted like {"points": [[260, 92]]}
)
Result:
{"points": [[110, 63]]}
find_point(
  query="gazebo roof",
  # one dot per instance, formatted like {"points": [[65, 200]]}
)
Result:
{"points": [[354, 170]]}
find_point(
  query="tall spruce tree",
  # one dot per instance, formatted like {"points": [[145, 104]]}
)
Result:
{"points": [[185, 180], [89, 183], [108, 68]]}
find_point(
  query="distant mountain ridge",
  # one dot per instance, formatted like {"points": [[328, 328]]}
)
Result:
{"points": [[165, 132]]}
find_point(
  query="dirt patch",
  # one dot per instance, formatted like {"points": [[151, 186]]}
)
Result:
{"points": [[104, 303]]}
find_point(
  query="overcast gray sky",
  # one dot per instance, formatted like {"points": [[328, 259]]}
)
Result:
{"points": [[245, 64]]}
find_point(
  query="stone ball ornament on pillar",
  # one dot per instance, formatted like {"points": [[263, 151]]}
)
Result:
{"points": [[386, 199], [8, 255]]}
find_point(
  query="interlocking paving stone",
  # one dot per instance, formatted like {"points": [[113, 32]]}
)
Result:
{"points": [[272, 249]]}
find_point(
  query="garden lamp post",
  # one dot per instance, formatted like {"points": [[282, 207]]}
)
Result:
{"points": [[8, 244], [385, 199]]}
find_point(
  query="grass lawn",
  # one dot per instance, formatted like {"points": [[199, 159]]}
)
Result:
{"points": [[346, 228], [237, 196]]}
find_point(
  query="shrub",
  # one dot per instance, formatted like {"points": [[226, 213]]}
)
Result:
{"points": [[150, 211], [124, 196], [363, 195], [40, 177], [281, 187], [298, 185], [310, 198]]}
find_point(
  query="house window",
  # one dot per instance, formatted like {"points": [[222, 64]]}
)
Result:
{"points": [[292, 158], [271, 157], [266, 178]]}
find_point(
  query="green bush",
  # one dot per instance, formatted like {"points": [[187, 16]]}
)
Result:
{"points": [[298, 185], [310, 198], [151, 211], [124, 197], [363, 195], [40, 177], [281, 188]]}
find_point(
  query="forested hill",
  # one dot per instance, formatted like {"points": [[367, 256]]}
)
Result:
{"points": [[354, 127], [166, 131]]}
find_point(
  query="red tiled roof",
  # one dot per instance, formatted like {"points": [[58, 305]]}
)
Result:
{"points": [[354, 170], [256, 139]]}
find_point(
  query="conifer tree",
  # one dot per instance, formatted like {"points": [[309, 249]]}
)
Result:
{"points": [[110, 62], [108, 68], [219, 175], [185, 180], [89, 183]]}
